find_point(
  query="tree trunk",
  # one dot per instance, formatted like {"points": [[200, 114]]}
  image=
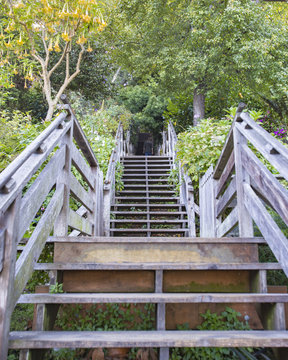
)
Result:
{"points": [[50, 112], [198, 105]]}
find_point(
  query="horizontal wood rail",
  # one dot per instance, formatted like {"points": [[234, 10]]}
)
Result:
{"points": [[242, 189], [185, 183], [59, 165]]}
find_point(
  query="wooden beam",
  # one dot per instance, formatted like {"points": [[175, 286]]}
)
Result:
{"points": [[80, 193], [228, 224], [219, 185], [92, 339], [163, 298], [266, 183], [158, 266], [28, 258], [269, 229], [80, 164], [226, 198], [79, 223], [39, 190]]}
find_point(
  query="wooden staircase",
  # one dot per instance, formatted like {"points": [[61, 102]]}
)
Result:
{"points": [[150, 254], [148, 205]]}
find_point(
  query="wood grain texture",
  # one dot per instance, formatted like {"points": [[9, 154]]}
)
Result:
{"points": [[85, 339], [226, 198], [157, 266], [269, 229], [158, 297], [80, 193], [228, 224], [269, 187], [33, 249], [80, 164], [207, 205], [79, 223], [220, 183], [39, 190]]}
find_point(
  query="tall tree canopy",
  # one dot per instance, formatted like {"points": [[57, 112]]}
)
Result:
{"points": [[201, 44]]}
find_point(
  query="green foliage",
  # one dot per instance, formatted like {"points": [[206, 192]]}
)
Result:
{"points": [[227, 320], [119, 184], [147, 109], [180, 111], [16, 132], [56, 288], [200, 146]]}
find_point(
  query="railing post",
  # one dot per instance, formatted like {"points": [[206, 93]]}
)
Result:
{"points": [[207, 205], [242, 177], [8, 238]]}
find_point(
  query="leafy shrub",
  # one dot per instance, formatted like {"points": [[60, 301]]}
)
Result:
{"points": [[200, 147], [16, 132]]}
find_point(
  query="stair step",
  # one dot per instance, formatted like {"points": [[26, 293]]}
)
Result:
{"points": [[153, 298], [157, 192], [140, 180], [142, 157], [131, 162], [157, 266], [149, 186], [151, 198], [147, 165], [164, 221], [153, 230], [91, 339], [151, 213], [168, 206], [160, 240], [135, 176]]}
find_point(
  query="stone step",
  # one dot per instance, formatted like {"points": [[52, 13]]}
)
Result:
{"points": [[91, 339], [152, 298]]}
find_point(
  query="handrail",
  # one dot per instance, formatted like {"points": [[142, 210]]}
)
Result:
{"points": [[46, 165], [241, 187], [169, 148], [119, 151]]}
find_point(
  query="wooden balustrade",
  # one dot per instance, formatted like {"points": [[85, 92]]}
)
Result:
{"points": [[43, 173], [186, 188], [241, 189], [121, 149]]}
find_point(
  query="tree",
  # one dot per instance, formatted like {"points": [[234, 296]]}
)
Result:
{"points": [[43, 33], [200, 44]]}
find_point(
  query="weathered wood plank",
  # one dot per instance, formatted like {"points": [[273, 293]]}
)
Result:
{"points": [[207, 205], [158, 266], [152, 252], [30, 149], [145, 240], [269, 229], [86, 339], [228, 224], [265, 143], [137, 298], [33, 249], [80, 193], [82, 211], [79, 223], [38, 192], [269, 187], [226, 198], [2, 247], [80, 164], [9, 224], [219, 185], [242, 177], [31, 165]]}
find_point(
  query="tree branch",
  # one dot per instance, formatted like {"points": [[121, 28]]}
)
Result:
{"points": [[59, 61]]}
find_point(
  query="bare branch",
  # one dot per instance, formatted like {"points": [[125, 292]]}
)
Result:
{"points": [[72, 77], [67, 65], [60, 60]]}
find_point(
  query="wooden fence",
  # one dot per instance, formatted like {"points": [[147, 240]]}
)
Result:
{"points": [[40, 183], [245, 187]]}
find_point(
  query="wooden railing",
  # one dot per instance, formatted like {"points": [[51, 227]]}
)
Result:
{"points": [[40, 184], [241, 189], [186, 188], [121, 149]]}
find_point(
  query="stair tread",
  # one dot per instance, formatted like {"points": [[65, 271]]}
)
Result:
{"points": [[146, 198], [90, 339], [149, 230], [164, 221], [164, 240], [152, 213], [157, 266], [89, 298], [145, 191], [150, 205]]}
